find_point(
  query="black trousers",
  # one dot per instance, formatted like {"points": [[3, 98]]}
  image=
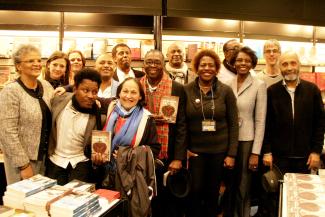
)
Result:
{"points": [[206, 170], [64, 175]]}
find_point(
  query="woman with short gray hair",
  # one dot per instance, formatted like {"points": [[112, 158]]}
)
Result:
{"points": [[25, 117]]}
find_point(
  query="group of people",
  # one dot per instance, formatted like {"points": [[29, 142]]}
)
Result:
{"points": [[228, 122]]}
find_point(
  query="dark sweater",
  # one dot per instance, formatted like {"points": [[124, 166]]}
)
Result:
{"points": [[225, 138], [286, 136]]}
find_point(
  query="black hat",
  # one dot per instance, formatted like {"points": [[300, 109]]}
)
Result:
{"points": [[179, 183], [270, 179]]}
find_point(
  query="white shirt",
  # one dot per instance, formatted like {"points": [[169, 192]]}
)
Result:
{"points": [[122, 76], [71, 127], [107, 93]]}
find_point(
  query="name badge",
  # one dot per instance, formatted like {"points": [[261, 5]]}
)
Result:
{"points": [[208, 125]]}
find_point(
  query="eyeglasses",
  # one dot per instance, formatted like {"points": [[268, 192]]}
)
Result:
{"points": [[75, 59], [268, 51], [31, 61], [240, 60], [153, 62]]}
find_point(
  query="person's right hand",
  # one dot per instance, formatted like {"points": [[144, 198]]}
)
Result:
{"points": [[59, 91], [159, 118], [27, 172], [268, 160]]}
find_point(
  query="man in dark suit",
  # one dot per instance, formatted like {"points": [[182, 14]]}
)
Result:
{"points": [[122, 57], [171, 136]]}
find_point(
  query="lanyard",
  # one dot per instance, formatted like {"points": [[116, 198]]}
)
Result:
{"points": [[212, 107]]}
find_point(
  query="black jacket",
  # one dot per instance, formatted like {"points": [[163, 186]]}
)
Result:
{"points": [[138, 74], [286, 136]]}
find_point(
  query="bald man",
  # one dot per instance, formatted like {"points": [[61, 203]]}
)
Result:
{"points": [[176, 68], [106, 67], [294, 134]]}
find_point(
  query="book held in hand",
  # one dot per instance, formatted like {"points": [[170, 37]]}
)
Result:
{"points": [[101, 143], [169, 107]]}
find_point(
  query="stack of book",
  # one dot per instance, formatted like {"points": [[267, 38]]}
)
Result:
{"points": [[40, 202], [109, 195], [6, 211], [80, 186], [75, 204], [303, 195], [16, 192]]}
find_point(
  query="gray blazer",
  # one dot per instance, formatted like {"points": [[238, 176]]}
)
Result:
{"points": [[21, 122], [251, 104]]}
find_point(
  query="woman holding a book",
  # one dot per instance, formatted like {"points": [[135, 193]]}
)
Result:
{"points": [[25, 117], [211, 116], [134, 143]]}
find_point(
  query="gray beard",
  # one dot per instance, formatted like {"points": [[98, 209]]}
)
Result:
{"points": [[292, 77]]}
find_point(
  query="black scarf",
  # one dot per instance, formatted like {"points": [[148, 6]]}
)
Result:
{"points": [[229, 67], [46, 117], [55, 83]]}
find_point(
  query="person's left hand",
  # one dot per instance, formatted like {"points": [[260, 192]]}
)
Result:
{"points": [[313, 161], [59, 91], [229, 162], [253, 162], [98, 158], [174, 166]]}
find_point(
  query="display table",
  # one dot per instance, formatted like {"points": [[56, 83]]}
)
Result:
{"points": [[117, 208], [302, 195]]}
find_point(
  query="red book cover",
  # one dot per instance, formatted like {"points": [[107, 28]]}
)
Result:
{"points": [[108, 194], [320, 80], [308, 76]]}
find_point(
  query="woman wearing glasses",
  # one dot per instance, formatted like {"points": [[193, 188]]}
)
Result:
{"points": [[25, 117], [251, 104]]}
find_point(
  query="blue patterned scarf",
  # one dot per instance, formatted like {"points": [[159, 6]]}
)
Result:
{"points": [[126, 134]]}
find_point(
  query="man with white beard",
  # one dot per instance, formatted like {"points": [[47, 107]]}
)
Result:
{"points": [[295, 123], [294, 134]]}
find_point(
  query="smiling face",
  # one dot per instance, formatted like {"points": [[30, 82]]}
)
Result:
{"points": [[153, 66], [243, 63], [130, 94], [175, 56], [75, 61], [123, 58], [86, 93], [30, 64], [57, 68], [207, 69], [105, 66], [289, 66]]}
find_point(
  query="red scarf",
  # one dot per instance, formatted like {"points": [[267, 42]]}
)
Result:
{"points": [[153, 99]]}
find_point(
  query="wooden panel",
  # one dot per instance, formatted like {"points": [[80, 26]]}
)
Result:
{"points": [[138, 7]]}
